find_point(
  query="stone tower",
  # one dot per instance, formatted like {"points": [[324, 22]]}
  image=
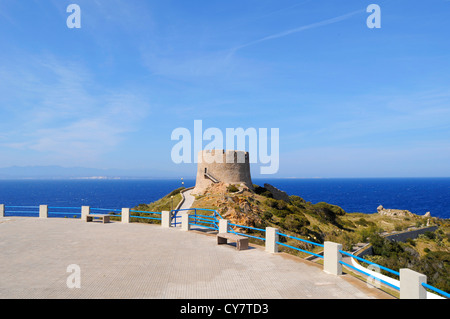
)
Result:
{"points": [[229, 167]]}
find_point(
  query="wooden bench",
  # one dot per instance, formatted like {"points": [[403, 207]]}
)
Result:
{"points": [[104, 218], [241, 241]]}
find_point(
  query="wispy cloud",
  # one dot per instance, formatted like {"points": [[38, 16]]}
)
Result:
{"points": [[60, 111], [296, 30]]}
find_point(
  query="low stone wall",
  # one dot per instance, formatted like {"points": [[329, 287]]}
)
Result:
{"points": [[276, 193]]}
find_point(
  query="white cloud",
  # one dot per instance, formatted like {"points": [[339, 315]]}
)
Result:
{"points": [[296, 30], [57, 109]]}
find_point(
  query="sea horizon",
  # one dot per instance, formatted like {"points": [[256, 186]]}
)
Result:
{"points": [[418, 195]]}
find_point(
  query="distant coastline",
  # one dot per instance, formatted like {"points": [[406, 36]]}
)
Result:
{"points": [[418, 195], [56, 172]]}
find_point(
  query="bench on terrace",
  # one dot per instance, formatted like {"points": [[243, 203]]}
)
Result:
{"points": [[104, 218], [241, 241]]}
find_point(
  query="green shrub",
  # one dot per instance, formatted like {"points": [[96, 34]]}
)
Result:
{"points": [[175, 192], [281, 204], [280, 213], [295, 222], [336, 210], [430, 235], [411, 241], [271, 202], [328, 213], [267, 215], [262, 191], [362, 222], [297, 201], [366, 234]]}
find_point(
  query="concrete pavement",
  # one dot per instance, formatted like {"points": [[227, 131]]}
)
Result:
{"points": [[146, 261]]}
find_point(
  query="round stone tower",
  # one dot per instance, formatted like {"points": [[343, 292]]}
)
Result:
{"points": [[229, 167]]}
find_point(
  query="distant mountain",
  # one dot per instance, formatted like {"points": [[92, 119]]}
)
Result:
{"points": [[59, 172]]}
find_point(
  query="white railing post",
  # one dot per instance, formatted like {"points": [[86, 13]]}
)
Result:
{"points": [[411, 285], [125, 215], [85, 210], [185, 226], [223, 226], [43, 211], [332, 258], [166, 219], [2, 210], [271, 240]]}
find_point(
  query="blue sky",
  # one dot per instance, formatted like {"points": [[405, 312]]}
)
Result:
{"points": [[349, 101]]}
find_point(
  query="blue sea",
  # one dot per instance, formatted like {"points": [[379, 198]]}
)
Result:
{"points": [[418, 195]]}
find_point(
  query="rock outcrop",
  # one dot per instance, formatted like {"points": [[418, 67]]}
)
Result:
{"points": [[238, 208], [276, 193], [394, 212]]}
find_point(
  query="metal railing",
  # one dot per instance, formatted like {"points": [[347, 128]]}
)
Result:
{"points": [[230, 228], [64, 212], [396, 273], [206, 221], [297, 248], [22, 211], [145, 217], [427, 286]]}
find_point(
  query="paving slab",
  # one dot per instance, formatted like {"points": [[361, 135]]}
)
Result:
{"points": [[138, 261]]}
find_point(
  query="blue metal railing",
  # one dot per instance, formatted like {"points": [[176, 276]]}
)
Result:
{"points": [[369, 275], [230, 228], [211, 221], [105, 210], [145, 217], [445, 294], [100, 211], [370, 263], [301, 240], [64, 212], [21, 211], [427, 286]]}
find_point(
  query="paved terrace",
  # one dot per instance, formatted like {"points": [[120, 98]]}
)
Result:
{"points": [[147, 261]]}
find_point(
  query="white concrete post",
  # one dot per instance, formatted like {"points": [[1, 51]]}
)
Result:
{"points": [[411, 285], [166, 219], [185, 222], [332, 258], [2, 210], [223, 226], [271, 240], [125, 215], [43, 211], [85, 210]]}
